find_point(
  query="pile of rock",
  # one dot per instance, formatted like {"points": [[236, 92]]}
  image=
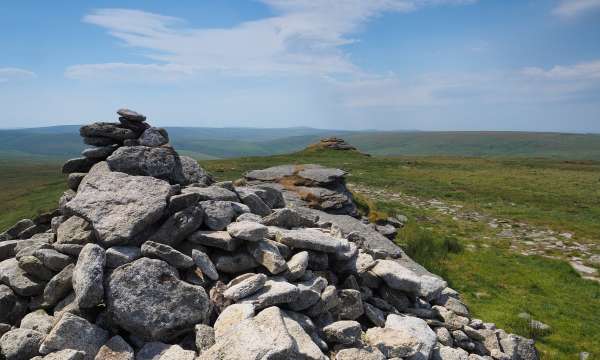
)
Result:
{"points": [[143, 262], [335, 143]]}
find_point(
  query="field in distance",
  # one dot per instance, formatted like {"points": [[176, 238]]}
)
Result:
{"points": [[497, 282]]}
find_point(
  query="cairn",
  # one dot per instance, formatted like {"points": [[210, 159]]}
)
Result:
{"points": [[335, 143], [147, 257]]}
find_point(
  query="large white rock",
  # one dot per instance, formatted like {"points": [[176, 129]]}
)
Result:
{"points": [[414, 328]]}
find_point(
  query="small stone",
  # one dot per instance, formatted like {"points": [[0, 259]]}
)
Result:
{"points": [[274, 292], [374, 314], [166, 253], [448, 353], [58, 287], [88, 276], [268, 256], [309, 239], [204, 337], [296, 266], [343, 332], [443, 336], [115, 349], [288, 219], [218, 239], [20, 344], [161, 351], [205, 264], [234, 263], [360, 354], [219, 214], [182, 201], [39, 321], [121, 255], [99, 153], [397, 276], [22, 283], [74, 230], [53, 259], [350, 305], [74, 332], [231, 317], [245, 287], [131, 115], [34, 267], [392, 343], [154, 137], [247, 230], [178, 226]]}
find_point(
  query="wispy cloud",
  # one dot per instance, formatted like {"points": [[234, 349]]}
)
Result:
{"points": [[572, 8], [581, 71], [304, 37], [13, 74]]}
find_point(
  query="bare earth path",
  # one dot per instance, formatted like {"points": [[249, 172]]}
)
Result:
{"points": [[524, 238]]}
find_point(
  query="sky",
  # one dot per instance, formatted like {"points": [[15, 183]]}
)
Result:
{"points": [[531, 65]]}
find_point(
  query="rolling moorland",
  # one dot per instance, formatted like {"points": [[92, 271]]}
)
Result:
{"points": [[217, 143], [496, 280]]}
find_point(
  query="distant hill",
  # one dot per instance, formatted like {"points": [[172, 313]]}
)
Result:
{"points": [[215, 143]]}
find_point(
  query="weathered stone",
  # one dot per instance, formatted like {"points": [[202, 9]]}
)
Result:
{"points": [[309, 239], [131, 115], [58, 287], [288, 219], [248, 231], [397, 276], [374, 314], [216, 193], [74, 230], [121, 255], [118, 205], [448, 353], [99, 153], [74, 332], [147, 298], [231, 317], [250, 217], [17, 228], [159, 162], [234, 263], [219, 214], [296, 266], [275, 291], [245, 287], [182, 201], [360, 354], [310, 291], [153, 137], [34, 267], [77, 165], [205, 264], [165, 252], [193, 173], [88, 276], [393, 343], [74, 179], [255, 203], [263, 337], [443, 336], [204, 337], [304, 347], [12, 308], [268, 256], [161, 351], [217, 239], [327, 301], [67, 354], [115, 349], [350, 305], [39, 321], [415, 328], [18, 280], [99, 141], [53, 259], [20, 344], [178, 226], [345, 332], [107, 130], [518, 347]]}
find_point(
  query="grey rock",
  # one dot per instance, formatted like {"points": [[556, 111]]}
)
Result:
{"points": [[77, 165], [162, 351], [74, 230], [121, 255], [217, 239], [397, 276], [88, 276], [416, 329], [234, 263], [212, 193], [118, 205], [107, 130], [443, 336], [17, 228], [518, 347], [18, 280], [230, 317], [288, 219], [74, 332], [34, 267], [431, 287], [20, 344], [131, 115], [345, 332], [147, 298], [455, 305], [182, 201], [99, 141], [248, 231], [250, 217], [448, 353], [350, 305], [153, 137], [39, 321], [12, 307], [327, 301], [159, 162], [360, 354], [451, 319], [255, 203], [374, 314], [115, 349], [59, 286], [219, 214], [310, 291], [275, 291], [245, 287], [393, 343], [318, 261], [268, 256], [304, 346], [99, 153], [166, 253], [309, 239], [53, 259], [74, 179], [193, 173], [204, 337], [263, 337], [67, 354], [296, 266], [205, 264]]}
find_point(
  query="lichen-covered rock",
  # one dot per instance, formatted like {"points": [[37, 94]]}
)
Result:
{"points": [[119, 205], [231, 317], [18, 280], [20, 344], [397, 276], [115, 349], [204, 337], [88, 276], [205, 264], [162, 351], [178, 226], [158, 162], [39, 321], [165, 252], [147, 298], [153, 137], [309, 239], [245, 287], [415, 328], [74, 332], [276, 291], [248, 231], [74, 230], [343, 332]]}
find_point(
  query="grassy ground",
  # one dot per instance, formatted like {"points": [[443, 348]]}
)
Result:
{"points": [[496, 284]]}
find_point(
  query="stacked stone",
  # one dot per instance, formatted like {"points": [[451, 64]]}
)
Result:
{"points": [[335, 143], [145, 267]]}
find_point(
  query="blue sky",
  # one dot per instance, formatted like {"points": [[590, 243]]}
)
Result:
{"points": [[352, 64]]}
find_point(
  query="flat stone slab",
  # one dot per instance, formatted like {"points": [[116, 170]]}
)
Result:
{"points": [[309, 239], [119, 205]]}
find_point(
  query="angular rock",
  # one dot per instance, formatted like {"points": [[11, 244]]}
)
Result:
{"points": [[205, 264], [67, 354], [74, 332], [217, 239], [99, 153], [39, 321], [166, 253], [118, 205], [245, 287], [204, 337], [350, 305], [231, 317], [309, 239], [88, 276], [234, 263], [58, 287], [121, 255], [20, 344], [219, 214], [178, 226], [193, 173], [216, 193], [74, 179], [131, 115], [115, 349], [18, 280], [374, 314], [345, 332], [77, 165], [360, 354], [393, 343], [255, 203], [182, 201], [34, 267], [248, 231], [268, 256], [53, 259], [161, 351], [158, 162], [327, 301], [154, 137], [310, 291], [296, 266], [147, 298], [304, 347], [415, 328], [397, 276], [17, 228], [74, 230], [275, 291], [288, 219], [107, 130]]}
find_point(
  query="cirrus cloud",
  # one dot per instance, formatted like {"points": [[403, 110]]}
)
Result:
{"points": [[9, 74]]}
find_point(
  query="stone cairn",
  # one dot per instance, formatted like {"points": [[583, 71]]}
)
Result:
{"points": [[147, 258]]}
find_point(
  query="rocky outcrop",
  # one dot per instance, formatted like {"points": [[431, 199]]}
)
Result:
{"points": [[147, 258]]}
